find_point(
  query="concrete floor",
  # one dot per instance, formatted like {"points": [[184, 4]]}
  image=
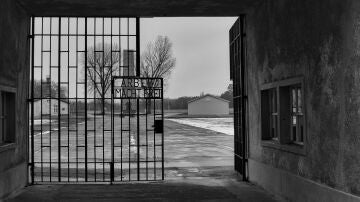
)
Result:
{"points": [[199, 167], [199, 189]]}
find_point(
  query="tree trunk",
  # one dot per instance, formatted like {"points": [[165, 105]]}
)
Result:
{"points": [[148, 107], [100, 106]]}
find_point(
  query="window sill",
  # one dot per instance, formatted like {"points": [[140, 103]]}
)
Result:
{"points": [[7, 146], [292, 148]]}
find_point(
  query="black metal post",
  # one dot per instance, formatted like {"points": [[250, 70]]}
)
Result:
{"points": [[112, 109], [59, 120], [76, 101], [85, 92], [138, 46], [162, 135], [112, 133], [68, 100], [137, 100], [32, 99]]}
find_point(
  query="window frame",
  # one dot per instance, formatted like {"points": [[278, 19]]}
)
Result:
{"points": [[284, 141]]}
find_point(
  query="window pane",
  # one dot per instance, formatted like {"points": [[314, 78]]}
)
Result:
{"points": [[273, 122], [301, 128], [294, 133], [274, 100], [294, 120], [275, 127], [293, 128], [293, 94], [273, 113], [273, 103], [7, 117], [299, 100]]}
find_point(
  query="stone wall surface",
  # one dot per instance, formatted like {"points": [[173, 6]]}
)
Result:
{"points": [[14, 72], [319, 41]]}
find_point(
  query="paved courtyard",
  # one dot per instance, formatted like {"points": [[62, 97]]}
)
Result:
{"points": [[185, 147], [198, 167]]}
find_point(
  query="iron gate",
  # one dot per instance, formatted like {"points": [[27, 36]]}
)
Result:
{"points": [[137, 120], [239, 76], [79, 132]]}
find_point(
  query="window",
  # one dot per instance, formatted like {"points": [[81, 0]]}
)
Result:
{"points": [[55, 108], [7, 117], [282, 112], [297, 116]]}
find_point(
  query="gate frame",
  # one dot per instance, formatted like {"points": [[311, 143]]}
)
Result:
{"points": [[31, 160], [239, 74]]}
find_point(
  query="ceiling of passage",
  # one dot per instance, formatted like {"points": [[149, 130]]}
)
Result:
{"points": [[142, 8]]}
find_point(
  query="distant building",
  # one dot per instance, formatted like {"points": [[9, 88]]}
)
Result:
{"points": [[208, 105], [50, 107]]}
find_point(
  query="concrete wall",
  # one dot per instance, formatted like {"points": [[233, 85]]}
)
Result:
{"points": [[294, 187], [14, 72], [208, 106], [319, 41]]}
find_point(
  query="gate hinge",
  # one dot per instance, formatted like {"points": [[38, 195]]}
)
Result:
{"points": [[29, 100], [30, 36]]}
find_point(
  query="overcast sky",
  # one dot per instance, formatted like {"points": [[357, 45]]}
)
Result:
{"points": [[201, 48]]}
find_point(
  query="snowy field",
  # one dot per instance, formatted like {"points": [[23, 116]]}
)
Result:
{"points": [[222, 125], [38, 121]]}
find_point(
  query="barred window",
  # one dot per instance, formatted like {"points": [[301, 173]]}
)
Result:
{"points": [[282, 112]]}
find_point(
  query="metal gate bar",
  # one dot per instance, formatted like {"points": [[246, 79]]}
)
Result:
{"points": [[138, 163], [72, 131]]}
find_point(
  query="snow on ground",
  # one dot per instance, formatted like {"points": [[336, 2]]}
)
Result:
{"points": [[44, 121], [222, 125]]}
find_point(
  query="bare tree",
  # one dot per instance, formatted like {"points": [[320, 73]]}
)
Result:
{"points": [[157, 61], [102, 65]]}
